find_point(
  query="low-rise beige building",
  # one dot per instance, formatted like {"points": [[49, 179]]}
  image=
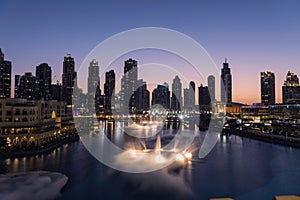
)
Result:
{"points": [[32, 124]]}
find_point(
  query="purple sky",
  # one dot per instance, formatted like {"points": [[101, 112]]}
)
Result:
{"points": [[254, 35]]}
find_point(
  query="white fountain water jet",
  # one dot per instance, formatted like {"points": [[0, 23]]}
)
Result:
{"points": [[158, 157], [143, 143], [158, 143]]}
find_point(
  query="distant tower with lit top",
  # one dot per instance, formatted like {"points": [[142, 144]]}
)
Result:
{"points": [[267, 82], [291, 88]]}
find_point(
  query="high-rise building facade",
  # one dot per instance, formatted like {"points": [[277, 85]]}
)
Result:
{"points": [[68, 78], [142, 97], [43, 73], [17, 85], [186, 98], [27, 87], [98, 100], [267, 82], [128, 85], [203, 96], [176, 99], [290, 88], [226, 83], [211, 84], [189, 97], [5, 77], [161, 96], [57, 92], [109, 90], [192, 94], [94, 90], [93, 78]]}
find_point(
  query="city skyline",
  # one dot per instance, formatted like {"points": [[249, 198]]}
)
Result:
{"points": [[266, 41], [16, 78]]}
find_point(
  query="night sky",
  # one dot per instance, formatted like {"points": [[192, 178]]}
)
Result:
{"points": [[254, 35]]}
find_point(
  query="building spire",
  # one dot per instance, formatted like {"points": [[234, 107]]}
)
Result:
{"points": [[225, 60]]}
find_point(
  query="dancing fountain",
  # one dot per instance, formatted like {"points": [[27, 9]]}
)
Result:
{"points": [[156, 157]]}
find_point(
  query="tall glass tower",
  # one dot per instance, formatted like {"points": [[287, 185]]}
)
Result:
{"points": [[176, 99], [43, 73], [5, 77], [226, 87], [68, 78], [267, 82]]}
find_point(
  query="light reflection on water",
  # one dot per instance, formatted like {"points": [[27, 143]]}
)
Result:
{"points": [[237, 167]]}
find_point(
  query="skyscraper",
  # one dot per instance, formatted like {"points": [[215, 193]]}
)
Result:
{"points": [[176, 100], [211, 87], [93, 78], [203, 96], [17, 85], [5, 77], [68, 78], [267, 82], [128, 85], [290, 88], [43, 73], [97, 100], [189, 96], [57, 92], [142, 97], [186, 96], [192, 94], [94, 90], [27, 87], [109, 90], [1, 74], [226, 87], [161, 96]]}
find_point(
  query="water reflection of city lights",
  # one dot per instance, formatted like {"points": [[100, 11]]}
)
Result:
{"points": [[188, 155], [180, 157], [133, 153]]}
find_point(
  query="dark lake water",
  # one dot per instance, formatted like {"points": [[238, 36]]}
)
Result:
{"points": [[237, 167]]}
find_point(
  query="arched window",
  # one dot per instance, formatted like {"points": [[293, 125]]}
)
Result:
{"points": [[24, 119], [17, 112], [53, 115], [24, 112], [8, 119]]}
